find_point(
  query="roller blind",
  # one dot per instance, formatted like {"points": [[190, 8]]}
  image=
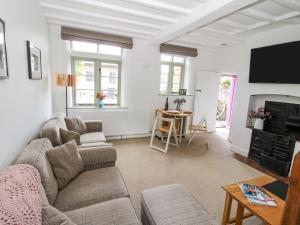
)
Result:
{"points": [[178, 50], [74, 34]]}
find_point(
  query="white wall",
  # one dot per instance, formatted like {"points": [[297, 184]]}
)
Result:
{"points": [[25, 104], [140, 81], [236, 60]]}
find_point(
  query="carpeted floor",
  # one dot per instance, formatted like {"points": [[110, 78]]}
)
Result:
{"points": [[203, 172]]}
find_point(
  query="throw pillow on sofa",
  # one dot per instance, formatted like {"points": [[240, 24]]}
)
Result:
{"points": [[76, 124], [67, 135], [52, 216], [66, 162]]}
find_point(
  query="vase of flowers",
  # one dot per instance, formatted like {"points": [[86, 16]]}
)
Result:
{"points": [[258, 117], [100, 96], [179, 102]]}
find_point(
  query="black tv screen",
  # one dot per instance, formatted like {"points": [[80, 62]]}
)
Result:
{"points": [[276, 64]]}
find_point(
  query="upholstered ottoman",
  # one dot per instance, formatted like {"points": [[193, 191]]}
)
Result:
{"points": [[172, 205]]}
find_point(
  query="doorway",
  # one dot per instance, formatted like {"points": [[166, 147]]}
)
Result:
{"points": [[227, 89]]}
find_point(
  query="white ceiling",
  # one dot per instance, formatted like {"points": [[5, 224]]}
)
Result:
{"points": [[185, 22]]}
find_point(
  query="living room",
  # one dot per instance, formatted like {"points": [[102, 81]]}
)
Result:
{"points": [[126, 68]]}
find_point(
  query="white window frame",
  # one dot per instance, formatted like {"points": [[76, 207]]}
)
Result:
{"points": [[97, 58], [171, 65], [97, 78]]}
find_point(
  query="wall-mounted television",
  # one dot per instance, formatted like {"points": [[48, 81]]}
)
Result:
{"points": [[276, 64]]}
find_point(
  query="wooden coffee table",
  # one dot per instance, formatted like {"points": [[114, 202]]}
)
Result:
{"points": [[269, 215]]}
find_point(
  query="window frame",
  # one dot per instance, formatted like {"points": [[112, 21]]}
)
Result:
{"points": [[171, 65], [97, 77]]}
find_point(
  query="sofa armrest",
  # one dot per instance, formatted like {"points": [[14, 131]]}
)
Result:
{"points": [[93, 126], [98, 157]]}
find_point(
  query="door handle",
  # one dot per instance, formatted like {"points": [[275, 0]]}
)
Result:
{"points": [[199, 90]]}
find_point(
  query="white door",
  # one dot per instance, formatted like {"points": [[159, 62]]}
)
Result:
{"points": [[206, 98]]}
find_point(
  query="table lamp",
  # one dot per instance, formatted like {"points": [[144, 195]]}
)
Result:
{"points": [[66, 80]]}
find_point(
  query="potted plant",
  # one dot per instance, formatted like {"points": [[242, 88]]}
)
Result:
{"points": [[258, 117], [100, 96]]}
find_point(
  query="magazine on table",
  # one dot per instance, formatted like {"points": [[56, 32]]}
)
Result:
{"points": [[256, 195]]}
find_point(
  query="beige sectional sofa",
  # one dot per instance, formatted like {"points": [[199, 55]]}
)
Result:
{"points": [[93, 138], [97, 196]]}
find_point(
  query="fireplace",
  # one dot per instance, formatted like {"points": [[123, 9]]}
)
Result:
{"points": [[274, 146]]}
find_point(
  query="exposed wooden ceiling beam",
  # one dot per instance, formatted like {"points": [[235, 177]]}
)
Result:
{"points": [[291, 4], [93, 28], [154, 4], [202, 16], [98, 15], [257, 15], [100, 25], [217, 38], [123, 10]]}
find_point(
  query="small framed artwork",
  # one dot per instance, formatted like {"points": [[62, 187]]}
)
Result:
{"points": [[34, 56], [182, 91], [3, 53]]}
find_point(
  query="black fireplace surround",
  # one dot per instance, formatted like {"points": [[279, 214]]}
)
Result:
{"points": [[273, 147]]}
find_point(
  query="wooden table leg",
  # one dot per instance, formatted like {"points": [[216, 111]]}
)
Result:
{"points": [[239, 215], [227, 209]]}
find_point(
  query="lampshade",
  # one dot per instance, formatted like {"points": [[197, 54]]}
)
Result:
{"points": [[67, 80]]}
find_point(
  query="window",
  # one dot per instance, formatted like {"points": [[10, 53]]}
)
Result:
{"points": [[171, 74], [88, 47], [94, 74]]}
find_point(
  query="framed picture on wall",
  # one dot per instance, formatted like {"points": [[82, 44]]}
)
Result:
{"points": [[3, 53], [34, 56]]}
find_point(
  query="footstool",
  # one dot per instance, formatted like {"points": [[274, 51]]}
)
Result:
{"points": [[173, 205]]}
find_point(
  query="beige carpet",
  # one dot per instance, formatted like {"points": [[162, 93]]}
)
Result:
{"points": [[203, 172]]}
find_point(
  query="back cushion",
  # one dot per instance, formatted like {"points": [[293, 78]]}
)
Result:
{"points": [[51, 131], [35, 154]]}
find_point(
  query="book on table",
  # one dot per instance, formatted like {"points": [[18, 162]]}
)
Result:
{"points": [[256, 195]]}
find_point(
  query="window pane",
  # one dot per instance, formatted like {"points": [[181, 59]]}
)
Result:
{"points": [[85, 76], [177, 59], [110, 50], [109, 83], [176, 79], [177, 70], [164, 78], [84, 96], [163, 88], [84, 46], [109, 69], [175, 87], [111, 97], [166, 58], [164, 69]]}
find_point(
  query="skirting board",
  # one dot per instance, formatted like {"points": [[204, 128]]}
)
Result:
{"points": [[127, 136], [239, 150]]}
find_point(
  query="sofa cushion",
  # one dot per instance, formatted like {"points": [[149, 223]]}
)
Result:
{"points": [[116, 212], [92, 137], [52, 216], [90, 187], [67, 135], [35, 154], [66, 162], [173, 205], [76, 124], [50, 130]]}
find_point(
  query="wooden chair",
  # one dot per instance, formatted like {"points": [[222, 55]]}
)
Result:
{"points": [[291, 215], [201, 127], [164, 129]]}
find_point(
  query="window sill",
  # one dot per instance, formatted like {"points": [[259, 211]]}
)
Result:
{"points": [[97, 108], [173, 95]]}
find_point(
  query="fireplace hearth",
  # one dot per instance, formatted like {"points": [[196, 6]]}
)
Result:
{"points": [[274, 146]]}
